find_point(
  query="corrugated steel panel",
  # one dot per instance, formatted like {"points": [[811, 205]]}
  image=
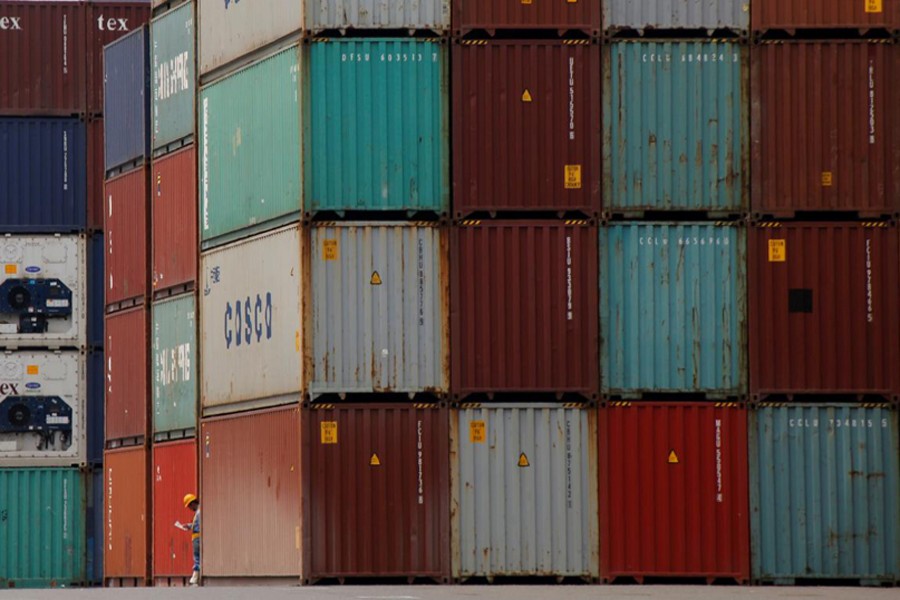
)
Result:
{"points": [[94, 479], [173, 202], [126, 104], [394, 155], [42, 276], [127, 366], [825, 14], [42, 175], [125, 228], [229, 31], [823, 308], [96, 420], [96, 169], [673, 491], [524, 496], [42, 528], [676, 14], [431, 15], [825, 135], [676, 126], [127, 507], [249, 149], [174, 475], [43, 409], [824, 488], [250, 494], [175, 364], [107, 21], [539, 332], [376, 486], [173, 60], [96, 306], [251, 322], [380, 308], [43, 50], [562, 15], [673, 308], [526, 126]]}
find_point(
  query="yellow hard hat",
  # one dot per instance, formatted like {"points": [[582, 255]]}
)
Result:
{"points": [[188, 498]]}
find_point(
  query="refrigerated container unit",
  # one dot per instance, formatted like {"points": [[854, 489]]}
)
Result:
{"points": [[174, 368], [683, 16], [364, 16], [107, 21], [518, 16], [125, 230], [126, 102], [127, 391], [173, 61], [174, 474], [127, 531], [173, 230], [793, 15]]}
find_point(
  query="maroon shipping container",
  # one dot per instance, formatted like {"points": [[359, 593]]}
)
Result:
{"points": [[524, 307], [674, 498], [173, 198], [95, 174], [825, 14], [824, 303], [174, 475], [106, 22], [826, 132], [561, 15], [526, 126], [42, 45], [250, 495], [127, 240], [127, 370], [376, 481], [126, 552]]}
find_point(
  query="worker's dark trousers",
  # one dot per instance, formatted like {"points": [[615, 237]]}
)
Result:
{"points": [[196, 543]]}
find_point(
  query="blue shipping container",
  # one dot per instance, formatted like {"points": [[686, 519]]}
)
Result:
{"points": [[95, 290], [43, 175], [96, 385], [94, 526], [126, 106]]}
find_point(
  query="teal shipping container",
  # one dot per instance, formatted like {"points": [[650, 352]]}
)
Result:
{"points": [[824, 493], [249, 147], [42, 528], [673, 308], [174, 367], [676, 127], [376, 130], [173, 60]]}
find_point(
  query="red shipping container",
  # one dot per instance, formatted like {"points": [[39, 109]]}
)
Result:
{"points": [[95, 174], [126, 553], [44, 66], [125, 225], [526, 126], [173, 191], [174, 475], [127, 374], [674, 498], [561, 15], [376, 482], [250, 495], [106, 22], [825, 14], [824, 303], [825, 129], [524, 307]]}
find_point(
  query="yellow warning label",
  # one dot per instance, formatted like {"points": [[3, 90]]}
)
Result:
{"points": [[827, 178], [11, 269], [573, 177], [526, 1], [374, 461], [329, 432], [329, 249], [523, 460], [297, 537], [297, 340], [874, 6], [777, 250], [476, 432], [526, 96], [376, 278], [673, 458], [32, 370]]}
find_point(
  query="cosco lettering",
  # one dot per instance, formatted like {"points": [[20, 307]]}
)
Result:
{"points": [[248, 320]]}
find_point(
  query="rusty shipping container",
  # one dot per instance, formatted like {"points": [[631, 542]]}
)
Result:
{"points": [[825, 129], [173, 205], [125, 228], [526, 126], [823, 308], [376, 482], [44, 66], [127, 374], [107, 21], [674, 498], [250, 490], [126, 556], [657, 16], [825, 14], [174, 475], [540, 331], [494, 15]]}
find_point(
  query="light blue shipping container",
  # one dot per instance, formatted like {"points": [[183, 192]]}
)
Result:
{"points": [[673, 302], [376, 132], [676, 126], [824, 493]]}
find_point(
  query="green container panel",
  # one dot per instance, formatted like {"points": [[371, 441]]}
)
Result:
{"points": [[173, 60], [250, 149], [174, 365], [376, 131], [42, 528]]}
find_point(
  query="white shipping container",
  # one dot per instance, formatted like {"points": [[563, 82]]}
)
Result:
{"points": [[42, 409], [431, 15], [251, 315], [43, 300]]}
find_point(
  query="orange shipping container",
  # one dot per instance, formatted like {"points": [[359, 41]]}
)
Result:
{"points": [[173, 199], [126, 554], [174, 475]]}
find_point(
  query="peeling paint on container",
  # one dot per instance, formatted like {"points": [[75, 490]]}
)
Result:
{"points": [[126, 503], [825, 14], [173, 61], [432, 15], [174, 475], [493, 15], [174, 365], [708, 15]]}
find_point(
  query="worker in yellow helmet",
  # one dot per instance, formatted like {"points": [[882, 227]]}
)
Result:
{"points": [[192, 502]]}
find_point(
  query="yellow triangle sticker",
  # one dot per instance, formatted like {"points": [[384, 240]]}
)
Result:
{"points": [[374, 461], [673, 458], [526, 96], [376, 278], [523, 460]]}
